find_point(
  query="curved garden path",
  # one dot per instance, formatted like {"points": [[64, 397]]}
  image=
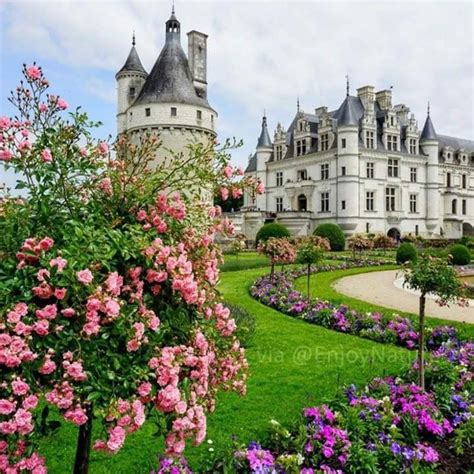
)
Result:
{"points": [[385, 288]]}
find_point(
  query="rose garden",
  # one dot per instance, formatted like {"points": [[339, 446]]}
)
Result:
{"points": [[131, 342]]}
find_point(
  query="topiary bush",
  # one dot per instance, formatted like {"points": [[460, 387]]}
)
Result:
{"points": [[334, 234], [245, 324], [406, 253], [272, 229], [460, 254]]}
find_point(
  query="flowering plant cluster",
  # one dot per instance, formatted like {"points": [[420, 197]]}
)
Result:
{"points": [[108, 303], [383, 241], [278, 251]]}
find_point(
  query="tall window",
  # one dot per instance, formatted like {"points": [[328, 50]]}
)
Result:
{"points": [[325, 202], [454, 206], [392, 143], [413, 175], [390, 199], [324, 171], [369, 139], [279, 152], [343, 170], [464, 206], [448, 180], [412, 143], [300, 147], [147, 112], [324, 142], [464, 181], [413, 203], [132, 91], [199, 114], [279, 178], [279, 204], [343, 205], [174, 111], [370, 170], [369, 200], [343, 143], [393, 168]]}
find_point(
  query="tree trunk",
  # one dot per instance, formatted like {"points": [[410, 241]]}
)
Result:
{"points": [[81, 463], [273, 270], [421, 343], [309, 276]]}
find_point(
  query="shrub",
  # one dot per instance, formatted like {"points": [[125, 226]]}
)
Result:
{"points": [[272, 229], [406, 253], [334, 234], [245, 324], [460, 254]]}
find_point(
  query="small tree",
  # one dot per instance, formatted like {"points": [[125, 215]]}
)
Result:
{"points": [[278, 251], [238, 244], [310, 252], [384, 242], [359, 243], [430, 275]]}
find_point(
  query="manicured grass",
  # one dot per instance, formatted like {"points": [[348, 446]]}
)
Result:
{"points": [[243, 261], [321, 287], [293, 364]]}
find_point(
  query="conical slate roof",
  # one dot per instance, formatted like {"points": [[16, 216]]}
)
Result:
{"points": [[171, 80], [347, 113], [429, 132], [133, 63], [264, 139]]}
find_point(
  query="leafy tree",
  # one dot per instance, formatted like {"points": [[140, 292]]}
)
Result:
{"points": [[359, 243], [310, 252], [382, 241], [460, 254], [430, 275], [406, 253], [108, 302], [278, 250]]}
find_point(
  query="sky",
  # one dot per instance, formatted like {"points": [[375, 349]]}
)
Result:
{"points": [[262, 55]]}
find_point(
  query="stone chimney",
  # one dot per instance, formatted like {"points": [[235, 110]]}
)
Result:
{"points": [[367, 96], [384, 98]]}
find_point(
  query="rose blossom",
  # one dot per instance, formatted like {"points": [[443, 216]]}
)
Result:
{"points": [[46, 156], [85, 276]]}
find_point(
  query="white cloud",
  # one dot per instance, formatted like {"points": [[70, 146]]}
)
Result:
{"points": [[265, 54]]}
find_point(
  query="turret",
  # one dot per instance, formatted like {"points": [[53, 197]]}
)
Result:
{"points": [[430, 145], [130, 80], [263, 154]]}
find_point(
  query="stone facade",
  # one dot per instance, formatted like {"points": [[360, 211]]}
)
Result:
{"points": [[171, 100], [365, 166]]}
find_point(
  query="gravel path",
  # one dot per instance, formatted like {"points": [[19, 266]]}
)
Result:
{"points": [[385, 288]]}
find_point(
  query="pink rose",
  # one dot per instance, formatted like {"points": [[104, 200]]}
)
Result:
{"points": [[68, 312], [43, 107], [41, 327], [85, 276], [6, 155], [103, 148], [46, 156], [19, 387], [60, 293], [144, 389], [260, 188], [236, 192], [6, 407], [224, 193], [227, 171], [62, 104], [4, 123], [33, 72], [58, 262]]}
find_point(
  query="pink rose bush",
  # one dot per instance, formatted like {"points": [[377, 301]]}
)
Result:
{"points": [[278, 250], [108, 303]]}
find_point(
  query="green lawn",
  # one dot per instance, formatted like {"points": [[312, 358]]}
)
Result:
{"points": [[292, 364], [243, 261], [321, 287]]}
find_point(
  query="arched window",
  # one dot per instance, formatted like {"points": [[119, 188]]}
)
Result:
{"points": [[454, 206], [302, 203]]}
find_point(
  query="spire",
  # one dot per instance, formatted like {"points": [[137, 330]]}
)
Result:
{"points": [[429, 132], [133, 63], [347, 85], [173, 27], [298, 105], [264, 139]]}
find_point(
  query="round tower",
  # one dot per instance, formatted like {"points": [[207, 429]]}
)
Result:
{"points": [[130, 80], [169, 103], [430, 145], [348, 158]]}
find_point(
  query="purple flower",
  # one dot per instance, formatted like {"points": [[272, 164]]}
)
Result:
{"points": [[395, 448]]}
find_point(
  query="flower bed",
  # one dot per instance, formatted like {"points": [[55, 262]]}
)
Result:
{"points": [[391, 425]]}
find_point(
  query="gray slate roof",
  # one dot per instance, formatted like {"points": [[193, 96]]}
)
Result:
{"points": [[252, 166], [350, 112], [456, 143], [171, 80], [428, 130], [264, 139], [133, 63]]}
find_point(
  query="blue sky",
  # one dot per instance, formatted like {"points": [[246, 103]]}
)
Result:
{"points": [[262, 55]]}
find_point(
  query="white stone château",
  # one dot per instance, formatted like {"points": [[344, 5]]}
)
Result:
{"points": [[365, 166], [171, 100]]}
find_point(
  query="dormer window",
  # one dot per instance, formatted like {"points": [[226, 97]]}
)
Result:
{"points": [[131, 92], [392, 143], [325, 142], [412, 146], [300, 147], [279, 152]]}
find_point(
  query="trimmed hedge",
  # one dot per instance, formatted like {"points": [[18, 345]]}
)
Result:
{"points": [[406, 253], [334, 234], [461, 254], [272, 229]]}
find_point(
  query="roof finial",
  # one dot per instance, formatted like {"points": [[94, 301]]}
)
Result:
{"points": [[428, 108], [347, 84], [298, 104], [172, 8], [133, 38], [264, 112]]}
